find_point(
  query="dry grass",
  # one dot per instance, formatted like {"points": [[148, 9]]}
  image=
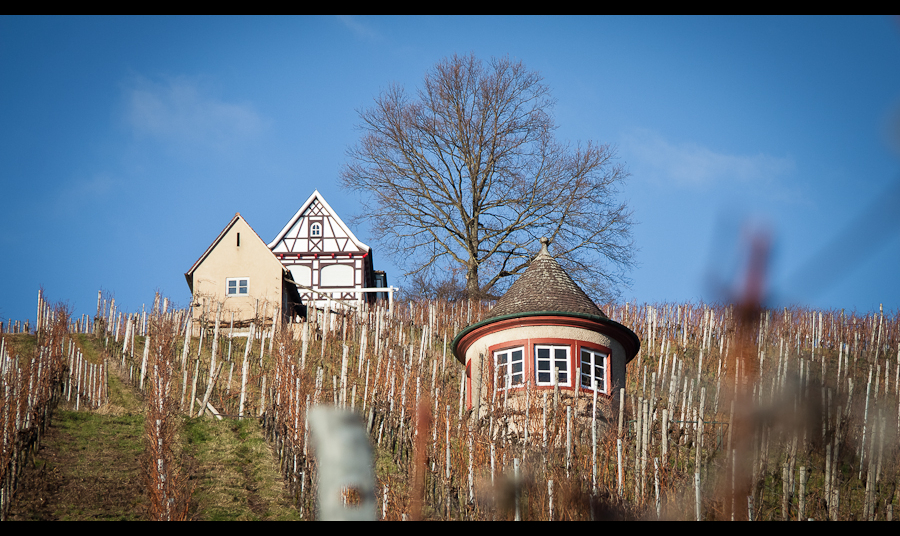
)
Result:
{"points": [[237, 478]]}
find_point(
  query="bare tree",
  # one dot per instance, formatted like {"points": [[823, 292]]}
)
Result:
{"points": [[430, 286], [468, 174]]}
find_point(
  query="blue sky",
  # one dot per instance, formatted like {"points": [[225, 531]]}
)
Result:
{"points": [[129, 143]]}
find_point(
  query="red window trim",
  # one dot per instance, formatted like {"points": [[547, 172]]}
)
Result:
{"points": [[530, 373], [553, 342], [469, 385], [607, 366], [526, 366]]}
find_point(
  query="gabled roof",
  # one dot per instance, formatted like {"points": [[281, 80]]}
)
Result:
{"points": [[316, 195], [189, 275], [544, 287]]}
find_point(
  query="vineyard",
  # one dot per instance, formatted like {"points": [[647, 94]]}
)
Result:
{"points": [[727, 412]]}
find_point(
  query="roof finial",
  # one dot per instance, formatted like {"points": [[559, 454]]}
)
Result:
{"points": [[544, 243]]}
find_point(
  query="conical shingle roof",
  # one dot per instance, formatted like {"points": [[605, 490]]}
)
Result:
{"points": [[544, 287]]}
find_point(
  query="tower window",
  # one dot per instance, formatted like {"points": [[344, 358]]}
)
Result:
{"points": [[510, 365], [593, 369], [547, 358]]}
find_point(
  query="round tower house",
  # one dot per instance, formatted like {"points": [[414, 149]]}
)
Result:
{"points": [[544, 333]]}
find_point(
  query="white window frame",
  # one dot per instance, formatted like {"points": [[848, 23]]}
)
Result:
{"points": [[315, 229], [595, 360], [506, 377], [554, 360], [237, 286]]}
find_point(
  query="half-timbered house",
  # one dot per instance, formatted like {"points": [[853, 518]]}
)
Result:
{"points": [[325, 257]]}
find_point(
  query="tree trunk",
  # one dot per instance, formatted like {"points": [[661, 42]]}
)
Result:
{"points": [[472, 288]]}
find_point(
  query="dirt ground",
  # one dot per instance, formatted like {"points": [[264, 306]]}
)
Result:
{"points": [[88, 466], [99, 479]]}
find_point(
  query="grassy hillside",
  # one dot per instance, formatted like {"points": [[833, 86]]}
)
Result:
{"points": [[90, 462]]}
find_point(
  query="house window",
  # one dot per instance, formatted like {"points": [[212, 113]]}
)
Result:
{"points": [[315, 229], [547, 358], [238, 286], [593, 369], [510, 365]]}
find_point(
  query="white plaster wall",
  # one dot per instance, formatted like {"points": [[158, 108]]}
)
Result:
{"points": [[337, 275], [301, 274]]}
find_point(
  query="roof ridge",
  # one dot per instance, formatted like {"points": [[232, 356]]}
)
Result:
{"points": [[545, 286]]}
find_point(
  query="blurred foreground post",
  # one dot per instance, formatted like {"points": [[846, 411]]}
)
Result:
{"points": [[423, 422], [346, 473], [743, 371]]}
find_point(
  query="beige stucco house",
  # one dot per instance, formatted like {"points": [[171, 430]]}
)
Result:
{"points": [[239, 271]]}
